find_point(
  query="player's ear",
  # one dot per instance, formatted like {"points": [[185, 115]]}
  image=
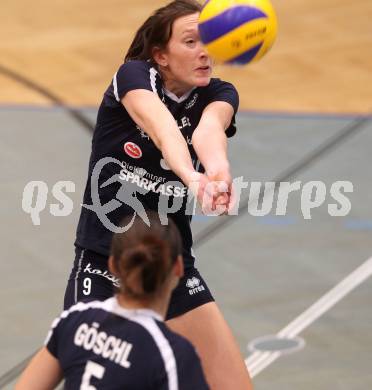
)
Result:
{"points": [[178, 267], [159, 56], [112, 267]]}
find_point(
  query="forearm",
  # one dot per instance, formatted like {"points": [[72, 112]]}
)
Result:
{"points": [[212, 150], [159, 123], [209, 139], [177, 156], [43, 373]]}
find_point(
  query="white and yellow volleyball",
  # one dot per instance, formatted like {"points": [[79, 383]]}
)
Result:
{"points": [[237, 31]]}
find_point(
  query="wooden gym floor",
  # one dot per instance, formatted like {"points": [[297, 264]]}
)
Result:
{"points": [[321, 61]]}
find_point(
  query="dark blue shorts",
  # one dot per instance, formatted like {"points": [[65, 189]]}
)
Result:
{"points": [[91, 280]]}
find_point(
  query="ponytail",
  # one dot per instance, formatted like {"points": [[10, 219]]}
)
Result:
{"points": [[144, 268], [143, 256]]}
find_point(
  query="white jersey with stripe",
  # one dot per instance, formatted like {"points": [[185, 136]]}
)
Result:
{"points": [[104, 346]]}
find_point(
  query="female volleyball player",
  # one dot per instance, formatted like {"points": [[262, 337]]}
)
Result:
{"points": [[162, 127], [123, 343]]}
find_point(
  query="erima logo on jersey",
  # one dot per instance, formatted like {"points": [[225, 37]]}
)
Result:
{"points": [[132, 150], [193, 282], [194, 285]]}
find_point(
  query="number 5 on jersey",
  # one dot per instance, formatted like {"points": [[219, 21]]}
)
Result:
{"points": [[91, 370]]}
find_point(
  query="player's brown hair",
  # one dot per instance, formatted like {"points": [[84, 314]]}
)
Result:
{"points": [[156, 31], [143, 255]]}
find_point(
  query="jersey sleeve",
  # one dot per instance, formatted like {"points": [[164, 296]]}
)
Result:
{"points": [[189, 369], [160, 383], [134, 75], [222, 91], [51, 341]]}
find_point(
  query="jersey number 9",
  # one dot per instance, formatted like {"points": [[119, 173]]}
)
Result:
{"points": [[87, 283]]}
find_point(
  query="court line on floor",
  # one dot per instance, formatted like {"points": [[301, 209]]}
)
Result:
{"points": [[43, 91], [258, 361], [13, 373], [264, 114]]}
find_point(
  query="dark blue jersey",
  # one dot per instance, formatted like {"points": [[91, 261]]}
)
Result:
{"points": [[127, 172], [101, 344]]}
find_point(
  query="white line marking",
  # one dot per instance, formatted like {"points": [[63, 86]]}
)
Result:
{"points": [[258, 361], [77, 274], [115, 85], [153, 73], [265, 363]]}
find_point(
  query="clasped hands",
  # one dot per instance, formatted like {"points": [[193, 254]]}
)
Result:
{"points": [[214, 191]]}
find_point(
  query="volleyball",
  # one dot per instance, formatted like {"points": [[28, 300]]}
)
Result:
{"points": [[237, 31]]}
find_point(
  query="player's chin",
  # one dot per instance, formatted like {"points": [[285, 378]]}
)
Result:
{"points": [[202, 81]]}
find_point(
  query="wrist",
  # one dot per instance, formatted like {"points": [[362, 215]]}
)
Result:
{"points": [[189, 175], [222, 169]]}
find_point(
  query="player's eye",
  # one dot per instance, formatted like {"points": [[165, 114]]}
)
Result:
{"points": [[190, 42]]}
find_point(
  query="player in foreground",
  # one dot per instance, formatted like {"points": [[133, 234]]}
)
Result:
{"points": [[122, 342]]}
